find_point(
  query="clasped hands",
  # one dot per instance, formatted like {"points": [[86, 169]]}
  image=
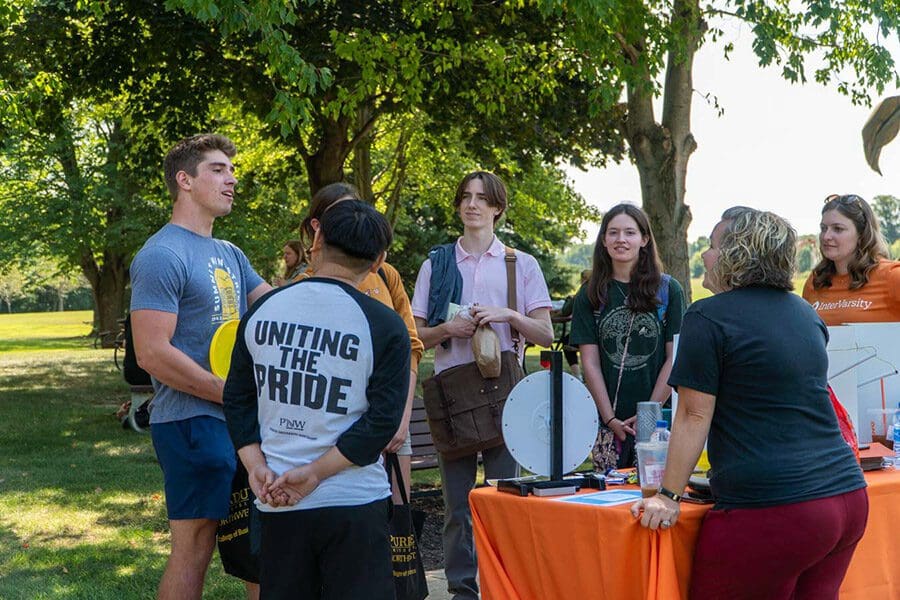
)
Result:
{"points": [[285, 490], [622, 428], [463, 326]]}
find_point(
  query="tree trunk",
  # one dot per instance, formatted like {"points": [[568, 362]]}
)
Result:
{"points": [[326, 164], [108, 290], [662, 150], [398, 177], [362, 157], [669, 216]]}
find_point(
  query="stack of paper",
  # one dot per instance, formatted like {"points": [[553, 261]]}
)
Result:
{"points": [[872, 457]]}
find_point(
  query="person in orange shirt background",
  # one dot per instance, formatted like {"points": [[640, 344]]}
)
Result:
{"points": [[855, 282], [386, 286]]}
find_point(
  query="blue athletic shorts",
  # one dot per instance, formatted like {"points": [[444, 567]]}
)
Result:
{"points": [[198, 463]]}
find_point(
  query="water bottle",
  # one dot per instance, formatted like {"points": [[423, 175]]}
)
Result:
{"points": [[651, 457], [661, 433], [895, 437]]}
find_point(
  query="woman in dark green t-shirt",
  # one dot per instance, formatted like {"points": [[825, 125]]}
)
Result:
{"points": [[623, 322]]}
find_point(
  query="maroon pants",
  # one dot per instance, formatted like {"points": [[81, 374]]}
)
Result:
{"points": [[792, 552]]}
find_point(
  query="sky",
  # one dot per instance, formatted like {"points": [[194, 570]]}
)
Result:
{"points": [[778, 146]]}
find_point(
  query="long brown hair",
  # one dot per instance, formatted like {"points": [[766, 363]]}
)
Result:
{"points": [[297, 247], [645, 275], [870, 248], [322, 201]]}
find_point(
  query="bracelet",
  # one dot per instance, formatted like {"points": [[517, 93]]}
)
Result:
{"points": [[669, 494], [611, 419]]}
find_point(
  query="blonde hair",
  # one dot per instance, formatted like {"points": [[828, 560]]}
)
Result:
{"points": [[758, 248]]}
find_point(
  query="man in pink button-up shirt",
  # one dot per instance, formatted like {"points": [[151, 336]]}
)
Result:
{"points": [[480, 201]]}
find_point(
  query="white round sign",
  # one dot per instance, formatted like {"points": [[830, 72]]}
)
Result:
{"points": [[526, 422]]}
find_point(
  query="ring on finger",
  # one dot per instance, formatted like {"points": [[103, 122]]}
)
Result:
{"points": [[667, 523]]}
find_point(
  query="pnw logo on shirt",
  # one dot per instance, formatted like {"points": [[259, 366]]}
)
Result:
{"points": [[842, 304], [225, 290]]}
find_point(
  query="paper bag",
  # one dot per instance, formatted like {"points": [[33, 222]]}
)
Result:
{"points": [[486, 348]]}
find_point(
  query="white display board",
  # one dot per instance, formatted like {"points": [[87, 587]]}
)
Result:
{"points": [[843, 356], [675, 339], [878, 386]]}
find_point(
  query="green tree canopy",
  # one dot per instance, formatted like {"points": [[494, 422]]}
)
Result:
{"points": [[95, 94], [887, 209], [496, 74], [648, 46]]}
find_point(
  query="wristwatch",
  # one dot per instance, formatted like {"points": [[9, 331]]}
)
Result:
{"points": [[669, 494]]}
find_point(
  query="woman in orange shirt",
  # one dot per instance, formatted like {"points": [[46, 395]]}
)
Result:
{"points": [[385, 286], [855, 282]]}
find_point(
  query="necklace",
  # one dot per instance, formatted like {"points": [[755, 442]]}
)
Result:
{"points": [[622, 289]]}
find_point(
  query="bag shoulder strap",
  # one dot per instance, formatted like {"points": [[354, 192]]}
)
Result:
{"points": [[392, 466], [511, 300]]}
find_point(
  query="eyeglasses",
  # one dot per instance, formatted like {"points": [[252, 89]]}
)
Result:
{"points": [[844, 199]]}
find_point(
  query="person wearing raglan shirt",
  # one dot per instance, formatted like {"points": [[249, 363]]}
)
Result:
{"points": [[316, 389]]}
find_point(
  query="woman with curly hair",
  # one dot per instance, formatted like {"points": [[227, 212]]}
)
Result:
{"points": [[854, 282], [751, 375], [623, 322]]}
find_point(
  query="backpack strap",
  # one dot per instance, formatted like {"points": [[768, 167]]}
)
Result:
{"points": [[662, 294], [383, 276], [511, 299]]}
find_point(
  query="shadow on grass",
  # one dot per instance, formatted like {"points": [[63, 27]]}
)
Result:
{"points": [[128, 566], [78, 342], [61, 378]]}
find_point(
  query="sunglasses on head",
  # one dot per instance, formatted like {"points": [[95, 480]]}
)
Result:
{"points": [[843, 199]]}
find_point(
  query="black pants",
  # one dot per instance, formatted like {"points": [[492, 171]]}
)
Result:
{"points": [[329, 553], [627, 453]]}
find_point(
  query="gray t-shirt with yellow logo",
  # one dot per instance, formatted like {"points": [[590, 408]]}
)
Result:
{"points": [[205, 282]]}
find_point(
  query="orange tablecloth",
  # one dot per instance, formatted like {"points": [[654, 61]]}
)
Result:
{"points": [[534, 548]]}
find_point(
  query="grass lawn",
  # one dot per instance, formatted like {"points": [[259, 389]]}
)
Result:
{"points": [[699, 292], [45, 331], [82, 514]]}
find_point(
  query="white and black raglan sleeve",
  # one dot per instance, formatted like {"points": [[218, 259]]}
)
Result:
{"points": [[386, 391], [239, 398]]}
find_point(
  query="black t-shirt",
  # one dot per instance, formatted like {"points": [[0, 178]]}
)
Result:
{"points": [[774, 437], [646, 353]]}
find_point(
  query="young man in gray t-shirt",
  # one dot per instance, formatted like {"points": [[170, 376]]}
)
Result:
{"points": [[185, 284]]}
